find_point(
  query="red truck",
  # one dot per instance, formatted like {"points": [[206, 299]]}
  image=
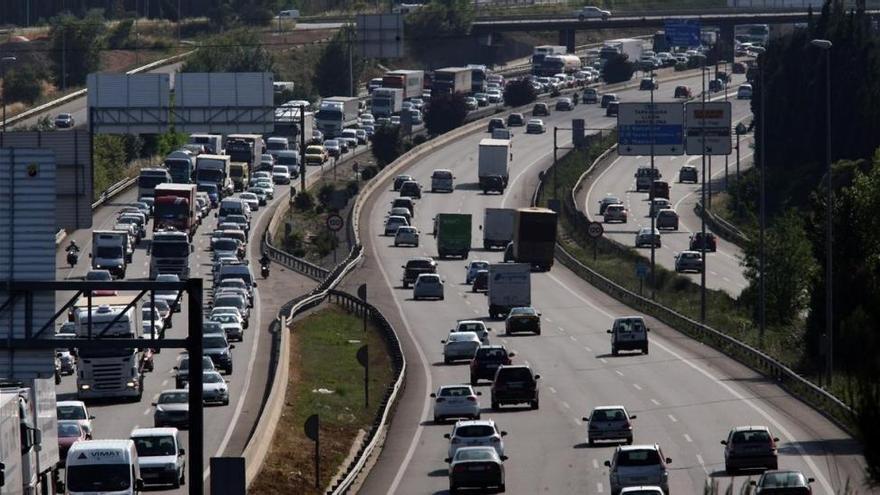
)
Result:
{"points": [[175, 207]]}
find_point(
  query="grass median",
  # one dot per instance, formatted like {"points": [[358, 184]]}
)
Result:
{"points": [[325, 379]]}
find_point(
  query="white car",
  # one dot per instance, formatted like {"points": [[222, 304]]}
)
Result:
{"points": [[161, 456], [231, 324], [475, 433], [406, 235], [476, 326], [76, 410], [428, 285], [494, 96], [280, 174], [251, 200], [393, 222], [460, 345], [472, 268], [590, 12], [456, 401], [535, 126], [214, 388], [744, 92]]}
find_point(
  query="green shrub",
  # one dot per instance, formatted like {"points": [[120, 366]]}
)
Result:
{"points": [[303, 201]]}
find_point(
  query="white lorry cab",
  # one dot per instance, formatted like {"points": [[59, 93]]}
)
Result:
{"points": [[103, 467], [160, 456]]}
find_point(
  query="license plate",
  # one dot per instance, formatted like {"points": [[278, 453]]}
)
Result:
{"points": [[477, 468]]}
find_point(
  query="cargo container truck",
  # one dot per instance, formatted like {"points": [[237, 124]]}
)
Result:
{"points": [[410, 81], [498, 227], [542, 51], [109, 373], [175, 208], [453, 234], [247, 148], [534, 237], [28, 436], [181, 164], [214, 169], [631, 47], [510, 286], [493, 161], [386, 102], [170, 253], [478, 78], [452, 80], [336, 113], [239, 173], [212, 142]]}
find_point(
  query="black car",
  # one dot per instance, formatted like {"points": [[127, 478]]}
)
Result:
{"points": [[687, 173], [415, 267], [647, 84], [515, 385], [181, 376], [612, 109], [524, 319], [481, 281], [493, 183], [564, 104], [411, 189], [496, 123], [515, 119], [400, 179], [407, 203], [701, 243], [716, 85], [683, 92], [487, 359], [476, 467], [540, 109]]}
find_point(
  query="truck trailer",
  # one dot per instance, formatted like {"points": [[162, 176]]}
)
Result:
{"points": [[175, 208], [214, 169], [453, 234], [542, 51], [410, 81], [494, 163], [498, 227], [28, 436], [452, 80], [510, 286], [149, 178], [534, 237], [212, 142], [631, 47], [336, 113], [239, 152]]}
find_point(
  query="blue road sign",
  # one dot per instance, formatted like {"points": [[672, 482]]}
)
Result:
{"points": [[637, 124], [682, 32], [642, 270]]}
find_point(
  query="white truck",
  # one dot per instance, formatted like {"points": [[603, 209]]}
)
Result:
{"points": [[510, 286], [169, 253], [247, 148], [494, 163], [109, 251], [28, 436], [103, 373], [498, 227], [631, 47], [410, 81], [452, 80], [214, 169], [387, 101], [336, 113], [212, 142]]}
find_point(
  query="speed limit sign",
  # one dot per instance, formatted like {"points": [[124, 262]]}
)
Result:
{"points": [[595, 230], [335, 223]]}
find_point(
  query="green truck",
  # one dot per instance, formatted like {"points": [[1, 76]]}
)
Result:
{"points": [[453, 234]]}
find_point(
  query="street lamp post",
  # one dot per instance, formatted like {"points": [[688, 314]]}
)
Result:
{"points": [[651, 194], [3, 62], [703, 70], [762, 215], [825, 46]]}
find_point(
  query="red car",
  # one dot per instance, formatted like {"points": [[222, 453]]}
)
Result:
{"points": [[709, 243], [69, 432]]}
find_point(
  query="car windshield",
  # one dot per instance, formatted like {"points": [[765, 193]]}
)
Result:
{"points": [[97, 478], [755, 436], [442, 174], [106, 252], [174, 398], [98, 275], [461, 337], [226, 244], [456, 392], [475, 454], [68, 430], [522, 311], [608, 415], [479, 265], [155, 446], [642, 457], [630, 326], [474, 431], [212, 378], [419, 264], [71, 412], [214, 342], [234, 301], [225, 318], [279, 170]]}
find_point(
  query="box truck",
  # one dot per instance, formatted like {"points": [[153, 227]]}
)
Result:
{"points": [[181, 164], [453, 234], [336, 113], [534, 237], [498, 227], [452, 80], [510, 286], [214, 169], [169, 253], [212, 142], [149, 178], [239, 173], [410, 81], [493, 162], [175, 208], [247, 148], [28, 436], [386, 102], [109, 251]]}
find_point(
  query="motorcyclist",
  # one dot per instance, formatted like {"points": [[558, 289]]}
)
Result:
{"points": [[72, 247], [575, 97], [264, 260]]}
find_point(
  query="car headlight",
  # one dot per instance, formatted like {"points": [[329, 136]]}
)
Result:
{"points": [[85, 387], [130, 384], [171, 467]]}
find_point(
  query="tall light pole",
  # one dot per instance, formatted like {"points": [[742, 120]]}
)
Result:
{"points": [[825, 46], [3, 62], [703, 70], [762, 204], [651, 193]]}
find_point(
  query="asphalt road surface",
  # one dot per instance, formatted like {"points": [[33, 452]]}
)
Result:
{"points": [[686, 396]]}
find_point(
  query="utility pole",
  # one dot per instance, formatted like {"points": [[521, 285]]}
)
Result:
{"points": [[762, 207], [302, 148], [651, 194], [703, 194], [555, 169]]}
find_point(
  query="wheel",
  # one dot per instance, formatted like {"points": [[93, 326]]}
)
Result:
{"points": [[436, 420], [613, 350], [176, 483], [629, 441], [395, 243], [495, 406], [474, 380], [536, 404], [452, 490], [485, 191], [774, 465], [645, 349], [405, 285], [729, 470], [591, 442], [446, 360], [477, 417], [226, 402], [538, 332], [502, 488], [229, 370]]}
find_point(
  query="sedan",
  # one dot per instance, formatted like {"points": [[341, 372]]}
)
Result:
{"points": [[615, 213], [455, 401], [515, 120], [172, 409], [609, 423], [333, 148], [460, 345], [644, 238], [657, 205], [523, 319], [744, 92], [667, 219], [535, 126], [607, 201], [75, 410], [481, 281], [564, 104], [100, 276], [400, 179], [251, 199], [472, 268], [495, 96], [471, 103], [64, 121], [482, 99], [480, 432], [69, 432], [689, 261], [476, 467], [476, 326], [428, 285], [393, 222], [748, 447], [215, 388], [280, 174], [782, 482], [540, 109], [231, 325]]}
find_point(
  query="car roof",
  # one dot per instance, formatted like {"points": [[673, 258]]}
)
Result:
{"points": [[607, 408], [462, 322], [70, 403], [750, 428], [628, 448], [463, 336], [151, 432], [457, 385], [475, 422]]}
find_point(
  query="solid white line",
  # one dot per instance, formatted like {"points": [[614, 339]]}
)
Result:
{"points": [[548, 320], [603, 360], [164, 382], [656, 402], [593, 184], [146, 411]]}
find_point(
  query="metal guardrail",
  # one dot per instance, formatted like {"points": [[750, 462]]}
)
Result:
{"points": [[815, 396], [721, 226]]}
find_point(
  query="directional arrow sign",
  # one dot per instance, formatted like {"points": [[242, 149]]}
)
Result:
{"points": [[682, 32], [708, 128], [637, 124]]}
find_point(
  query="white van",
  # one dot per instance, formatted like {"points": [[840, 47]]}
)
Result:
{"points": [[442, 180], [102, 466], [158, 450], [289, 14], [232, 206]]}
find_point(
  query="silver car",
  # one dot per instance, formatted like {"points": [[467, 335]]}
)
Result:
{"points": [[456, 401], [609, 423], [686, 261], [393, 222], [214, 388], [667, 219], [615, 213], [406, 235], [460, 345], [638, 465], [659, 204], [482, 433], [428, 285], [476, 326]]}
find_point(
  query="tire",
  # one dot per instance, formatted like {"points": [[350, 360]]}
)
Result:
{"points": [[229, 370], [395, 243], [613, 351], [729, 470], [495, 406], [453, 490], [581, 18], [629, 441], [474, 381], [436, 420], [226, 402], [446, 360], [502, 488], [591, 442], [645, 349], [538, 332], [774, 465], [536, 404]]}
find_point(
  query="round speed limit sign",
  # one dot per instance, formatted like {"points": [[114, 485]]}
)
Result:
{"points": [[335, 223], [595, 230]]}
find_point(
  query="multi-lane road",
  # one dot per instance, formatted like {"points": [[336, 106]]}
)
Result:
{"points": [[686, 396], [723, 269]]}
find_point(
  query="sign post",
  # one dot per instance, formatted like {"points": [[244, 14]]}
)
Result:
{"points": [[363, 357], [634, 129], [312, 429], [335, 224], [595, 231]]}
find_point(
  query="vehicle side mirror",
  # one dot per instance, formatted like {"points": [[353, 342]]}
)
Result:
{"points": [[669, 460], [479, 393], [232, 346], [433, 396], [585, 419], [504, 458], [446, 435], [775, 439], [91, 417], [503, 433], [181, 452], [153, 404], [537, 377], [139, 484], [608, 463], [724, 442], [608, 331], [176, 368], [90, 255], [753, 483], [633, 416], [647, 329], [192, 248], [810, 480], [227, 381], [512, 354]]}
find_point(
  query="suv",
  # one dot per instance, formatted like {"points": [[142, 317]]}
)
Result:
{"points": [[607, 98], [407, 203], [591, 95], [415, 267], [219, 350], [667, 219], [749, 447], [645, 176], [411, 189], [701, 243], [683, 92], [540, 110], [638, 465], [486, 360], [629, 333], [496, 123], [524, 319], [515, 385], [660, 189], [689, 260], [515, 119], [687, 173]]}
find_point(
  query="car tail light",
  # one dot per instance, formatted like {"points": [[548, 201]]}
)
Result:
{"points": [[459, 468], [495, 439], [440, 399], [472, 398]]}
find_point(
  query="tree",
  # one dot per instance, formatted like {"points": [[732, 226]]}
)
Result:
{"points": [[519, 92], [387, 144], [437, 21], [331, 74], [618, 69], [22, 84], [446, 112], [76, 47], [789, 269], [238, 51]]}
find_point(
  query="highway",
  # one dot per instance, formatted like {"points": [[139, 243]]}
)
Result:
{"points": [[686, 396], [227, 428], [723, 269]]}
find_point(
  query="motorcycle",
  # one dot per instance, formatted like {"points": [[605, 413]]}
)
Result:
{"points": [[264, 271], [72, 258]]}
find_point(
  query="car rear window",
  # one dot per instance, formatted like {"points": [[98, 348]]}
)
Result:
{"points": [[630, 326], [646, 457], [419, 264], [470, 327], [455, 392], [441, 174], [214, 342], [474, 431], [756, 436], [608, 415], [515, 375], [475, 455], [491, 353], [783, 480]]}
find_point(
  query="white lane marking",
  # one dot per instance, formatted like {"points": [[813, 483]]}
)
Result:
{"points": [[573, 338], [687, 438], [599, 488], [586, 348], [619, 372], [476, 312], [466, 301], [637, 386], [603, 360], [595, 464], [552, 390], [577, 421], [561, 329], [548, 320], [164, 382], [655, 402], [672, 418], [565, 405], [146, 411]]}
